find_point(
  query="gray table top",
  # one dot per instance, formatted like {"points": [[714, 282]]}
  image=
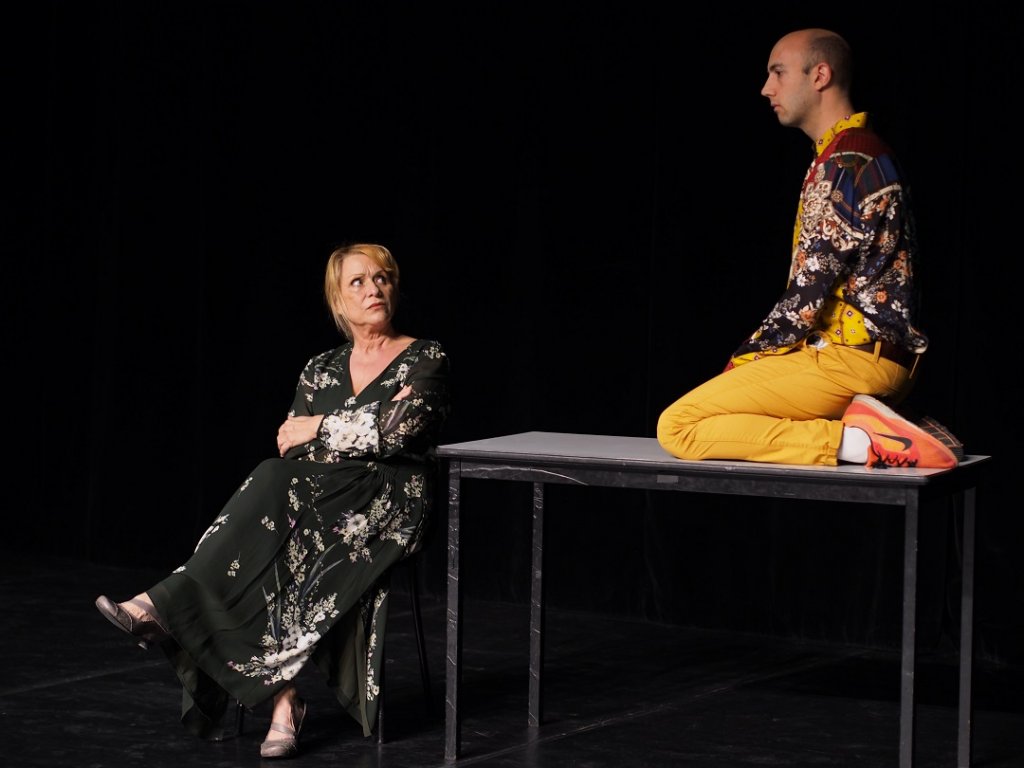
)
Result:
{"points": [[623, 452]]}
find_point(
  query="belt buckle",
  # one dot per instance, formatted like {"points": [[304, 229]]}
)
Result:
{"points": [[817, 341]]}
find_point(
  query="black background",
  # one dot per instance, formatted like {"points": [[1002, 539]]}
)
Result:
{"points": [[591, 205]]}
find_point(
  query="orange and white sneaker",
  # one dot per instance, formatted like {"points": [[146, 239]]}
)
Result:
{"points": [[943, 434], [895, 441]]}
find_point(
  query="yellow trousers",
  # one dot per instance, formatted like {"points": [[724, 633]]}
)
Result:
{"points": [[783, 409]]}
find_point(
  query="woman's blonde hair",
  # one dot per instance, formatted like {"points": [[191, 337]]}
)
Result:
{"points": [[332, 279]]}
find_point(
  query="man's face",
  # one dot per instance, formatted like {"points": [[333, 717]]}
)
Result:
{"points": [[788, 88]]}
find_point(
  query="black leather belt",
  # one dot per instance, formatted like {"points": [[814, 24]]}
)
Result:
{"points": [[889, 351]]}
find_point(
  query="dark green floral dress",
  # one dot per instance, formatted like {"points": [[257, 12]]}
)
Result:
{"points": [[295, 566]]}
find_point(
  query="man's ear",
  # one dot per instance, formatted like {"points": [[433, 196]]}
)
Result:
{"points": [[822, 73]]}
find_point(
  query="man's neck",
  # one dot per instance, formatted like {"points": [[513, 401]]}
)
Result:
{"points": [[827, 118]]}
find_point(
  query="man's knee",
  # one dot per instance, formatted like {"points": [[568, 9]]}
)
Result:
{"points": [[673, 430]]}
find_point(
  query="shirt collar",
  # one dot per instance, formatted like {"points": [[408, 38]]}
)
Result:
{"points": [[856, 120]]}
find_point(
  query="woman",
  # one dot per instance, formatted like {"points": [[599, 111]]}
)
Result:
{"points": [[294, 567]]}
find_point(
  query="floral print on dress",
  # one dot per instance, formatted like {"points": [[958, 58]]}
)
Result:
{"points": [[216, 525], [351, 432], [368, 431], [339, 511], [295, 615]]}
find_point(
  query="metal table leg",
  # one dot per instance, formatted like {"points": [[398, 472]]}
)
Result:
{"points": [[966, 634], [537, 609], [909, 631], [453, 651]]}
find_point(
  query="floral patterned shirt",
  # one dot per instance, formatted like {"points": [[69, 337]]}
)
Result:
{"points": [[855, 243]]}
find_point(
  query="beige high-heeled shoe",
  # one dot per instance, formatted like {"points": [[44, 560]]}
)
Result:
{"points": [[145, 631], [287, 747]]}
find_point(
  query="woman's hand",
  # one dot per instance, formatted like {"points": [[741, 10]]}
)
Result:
{"points": [[297, 430]]}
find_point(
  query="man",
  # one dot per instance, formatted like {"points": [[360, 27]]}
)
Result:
{"points": [[807, 386]]}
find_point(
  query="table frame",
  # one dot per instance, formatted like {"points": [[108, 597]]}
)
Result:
{"points": [[636, 462]]}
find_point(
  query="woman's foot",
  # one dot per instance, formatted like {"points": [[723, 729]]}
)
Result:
{"points": [[285, 725], [137, 617]]}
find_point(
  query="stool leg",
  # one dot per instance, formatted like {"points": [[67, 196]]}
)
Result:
{"points": [[421, 648], [380, 695], [239, 718], [421, 644]]}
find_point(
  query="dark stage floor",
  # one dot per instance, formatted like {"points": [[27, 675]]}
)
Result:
{"points": [[620, 693]]}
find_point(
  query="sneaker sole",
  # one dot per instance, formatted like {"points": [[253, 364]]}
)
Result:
{"points": [[943, 435]]}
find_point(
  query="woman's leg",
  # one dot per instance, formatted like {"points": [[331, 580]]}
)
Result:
{"points": [[285, 724], [136, 617], [141, 608], [287, 707]]}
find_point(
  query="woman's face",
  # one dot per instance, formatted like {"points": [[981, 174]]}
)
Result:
{"points": [[368, 295]]}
